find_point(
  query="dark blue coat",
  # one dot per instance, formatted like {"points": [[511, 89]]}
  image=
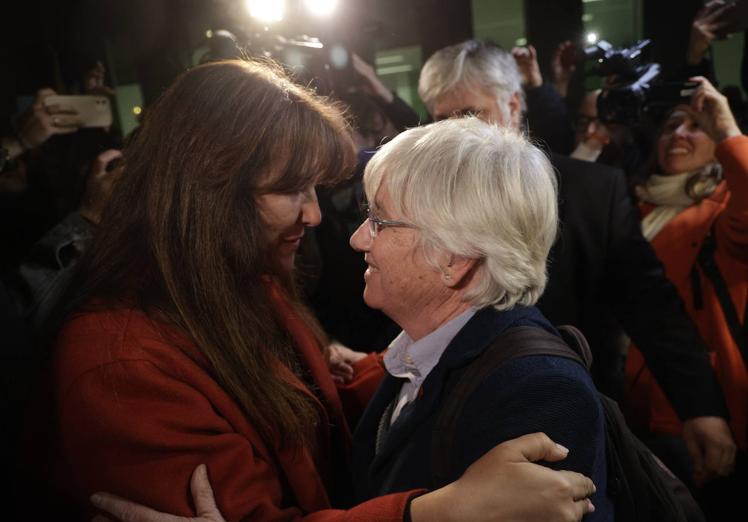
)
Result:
{"points": [[525, 395]]}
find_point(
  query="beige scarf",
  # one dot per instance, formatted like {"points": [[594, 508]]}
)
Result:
{"points": [[671, 195]]}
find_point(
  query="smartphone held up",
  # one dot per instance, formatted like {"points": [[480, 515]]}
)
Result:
{"points": [[92, 111]]}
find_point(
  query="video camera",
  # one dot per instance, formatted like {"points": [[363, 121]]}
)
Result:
{"points": [[632, 88], [327, 67]]}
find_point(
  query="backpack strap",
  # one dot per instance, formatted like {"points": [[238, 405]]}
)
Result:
{"points": [[709, 266], [516, 342]]}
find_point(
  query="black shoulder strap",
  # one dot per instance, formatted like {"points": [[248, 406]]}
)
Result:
{"points": [[709, 266], [516, 342]]}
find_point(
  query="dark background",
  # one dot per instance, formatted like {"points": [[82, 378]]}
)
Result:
{"points": [[46, 42]]}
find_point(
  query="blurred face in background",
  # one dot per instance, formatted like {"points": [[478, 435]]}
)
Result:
{"points": [[465, 101], [589, 129], [683, 146]]}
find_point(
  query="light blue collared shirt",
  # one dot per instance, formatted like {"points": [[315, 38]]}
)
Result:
{"points": [[415, 360]]}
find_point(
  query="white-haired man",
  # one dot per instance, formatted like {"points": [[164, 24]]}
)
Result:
{"points": [[600, 264]]}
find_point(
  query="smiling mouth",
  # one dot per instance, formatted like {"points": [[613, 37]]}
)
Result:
{"points": [[678, 151], [370, 269]]}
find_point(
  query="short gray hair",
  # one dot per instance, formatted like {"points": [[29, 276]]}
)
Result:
{"points": [[475, 190], [471, 64]]}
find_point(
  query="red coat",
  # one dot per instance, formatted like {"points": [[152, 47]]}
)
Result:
{"points": [[138, 411], [677, 245]]}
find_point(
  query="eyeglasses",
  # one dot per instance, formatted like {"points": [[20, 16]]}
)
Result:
{"points": [[376, 224]]}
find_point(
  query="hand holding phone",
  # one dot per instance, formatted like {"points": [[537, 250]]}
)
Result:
{"points": [[90, 110], [43, 120]]}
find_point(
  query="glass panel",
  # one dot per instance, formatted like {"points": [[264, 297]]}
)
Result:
{"points": [[399, 69], [727, 55], [503, 22]]}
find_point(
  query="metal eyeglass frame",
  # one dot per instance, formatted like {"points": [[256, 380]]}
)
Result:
{"points": [[376, 223]]}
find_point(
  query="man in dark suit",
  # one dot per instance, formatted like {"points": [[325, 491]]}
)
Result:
{"points": [[600, 265]]}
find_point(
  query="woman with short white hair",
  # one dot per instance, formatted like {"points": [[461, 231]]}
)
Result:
{"points": [[462, 215]]}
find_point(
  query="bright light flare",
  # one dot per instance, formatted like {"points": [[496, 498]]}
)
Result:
{"points": [[266, 10], [321, 7], [592, 38], [339, 57]]}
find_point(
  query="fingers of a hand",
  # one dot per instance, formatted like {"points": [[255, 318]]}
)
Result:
{"points": [[716, 26], [125, 510], [41, 94], [103, 90], [697, 101], [718, 12], [341, 372], [202, 492], [56, 109], [727, 461], [694, 450], [346, 370], [580, 486], [65, 121], [356, 61], [698, 79], [109, 155], [533, 447], [717, 460], [102, 161], [532, 52], [65, 130], [334, 356], [708, 34]]}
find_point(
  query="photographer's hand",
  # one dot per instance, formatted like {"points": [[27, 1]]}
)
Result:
{"points": [[527, 62], [369, 75], [99, 185], [43, 121], [93, 81], [563, 65], [712, 111], [704, 30]]}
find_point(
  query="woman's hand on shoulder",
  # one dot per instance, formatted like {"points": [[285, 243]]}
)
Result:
{"points": [[712, 111]]}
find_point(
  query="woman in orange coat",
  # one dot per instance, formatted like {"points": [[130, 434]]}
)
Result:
{"points": [[695, 213], [187, 343]]}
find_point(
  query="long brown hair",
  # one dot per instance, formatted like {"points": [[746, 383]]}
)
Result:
{"points": [[183, 237]]}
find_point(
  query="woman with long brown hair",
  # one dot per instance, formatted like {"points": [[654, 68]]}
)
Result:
{"points": [[189, 344]]}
